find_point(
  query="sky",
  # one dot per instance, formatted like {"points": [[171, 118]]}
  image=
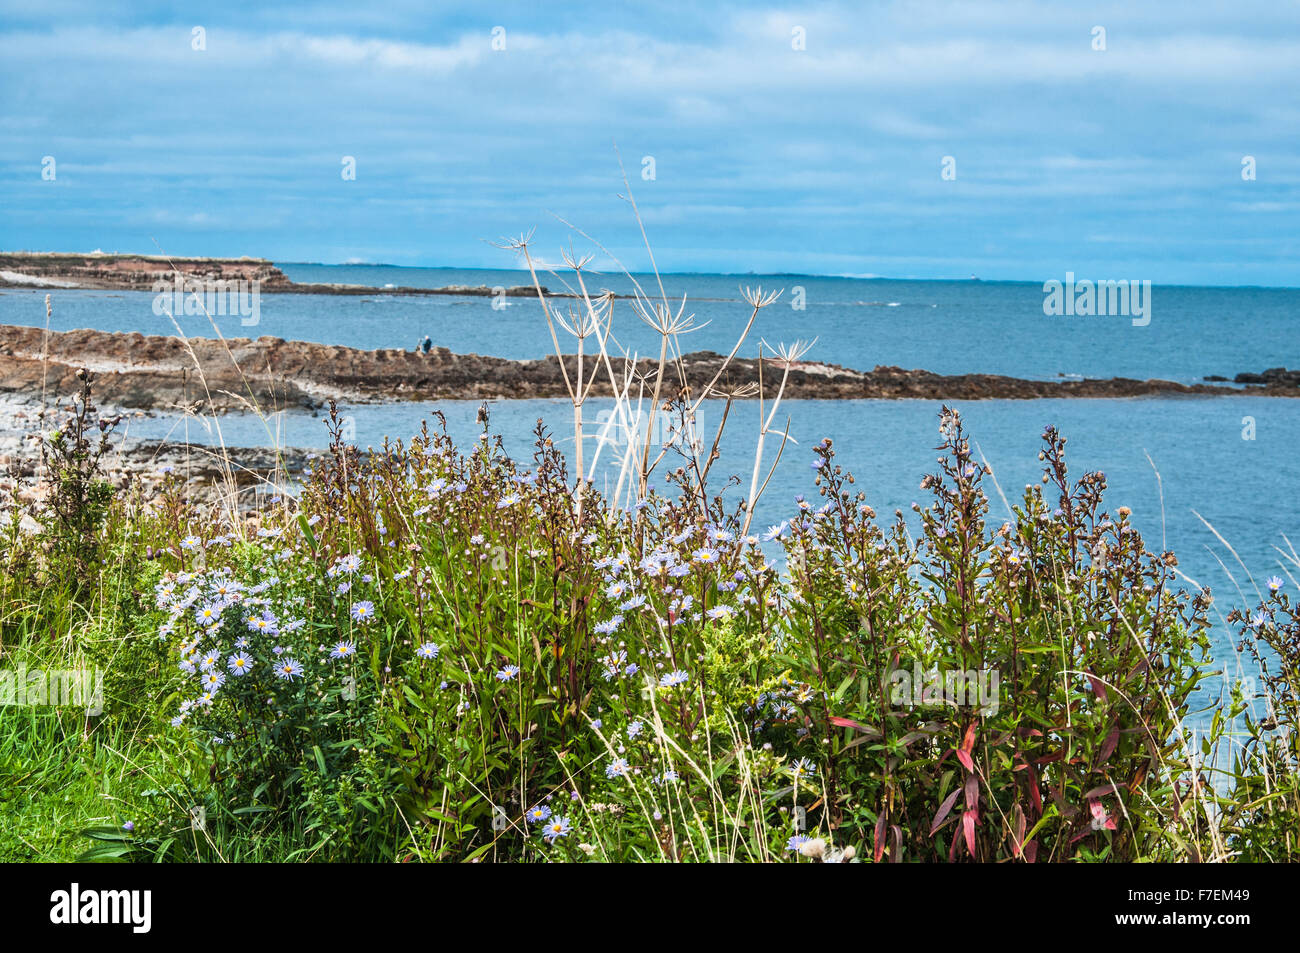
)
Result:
{"points": [[905, 139]]}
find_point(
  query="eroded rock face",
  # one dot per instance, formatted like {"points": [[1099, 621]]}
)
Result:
{"points": [[168, 373], [139, 272]]}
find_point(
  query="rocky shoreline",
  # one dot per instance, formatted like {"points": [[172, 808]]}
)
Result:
{"points": [[140, 272], [152, 372], [207, 473]]}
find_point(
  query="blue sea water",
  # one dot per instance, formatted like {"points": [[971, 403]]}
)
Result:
{"points": [[1168, 458], [950, 327]]}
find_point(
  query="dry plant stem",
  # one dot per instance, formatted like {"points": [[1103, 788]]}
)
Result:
{"points": [[764, 426]]}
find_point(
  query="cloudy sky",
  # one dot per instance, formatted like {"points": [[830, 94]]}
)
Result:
{"points": [[1122, 163]]}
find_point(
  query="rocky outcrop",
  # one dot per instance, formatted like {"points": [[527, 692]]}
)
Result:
{"points": [[133, 272], [167, 373], [1274, 377], [139, 272]]}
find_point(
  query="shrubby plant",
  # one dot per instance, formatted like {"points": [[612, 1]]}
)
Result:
{"points": [[438, 655]]}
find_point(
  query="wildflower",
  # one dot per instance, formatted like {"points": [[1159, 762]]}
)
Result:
{"points": [[427, 651], [288, 669], [363, 611], [705, 555], [1274, 583], [634, 729], [265, 623], [510, 499], [775, 532], [673, 679], [349, 563], [209, 614], [191, 542], [801, 768], [538, 814], [720, 613], [616, 590], [208, 662], [224, 589], [636, 602], [239, 664], [812, 847], [556, 828], [507, 672], [796, 843], [344, 650], [214, 680], [607, 628]]}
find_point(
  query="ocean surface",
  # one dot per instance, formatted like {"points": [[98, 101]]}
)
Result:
{"points": [[1167, 458], [950, 327]]}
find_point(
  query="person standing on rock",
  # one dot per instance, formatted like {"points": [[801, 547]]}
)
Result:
{"points": [[426, 345]]}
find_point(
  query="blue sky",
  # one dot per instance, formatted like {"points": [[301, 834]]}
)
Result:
{"points": [[1122, 163]]}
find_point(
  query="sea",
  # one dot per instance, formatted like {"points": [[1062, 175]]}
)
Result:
{"points": [[1215, 479]]}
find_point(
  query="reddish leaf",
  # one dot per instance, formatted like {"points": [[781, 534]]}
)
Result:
{"points": [[1018, 830], [1098, 688], [1031, 851], [842, 722], [944, 808], [1100, 817], [880, 838], [965, 759], [1100, 791], [1035, 793], [972, 792], [968, 742], [897, 856], [968, 828], [1108, 746]]}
